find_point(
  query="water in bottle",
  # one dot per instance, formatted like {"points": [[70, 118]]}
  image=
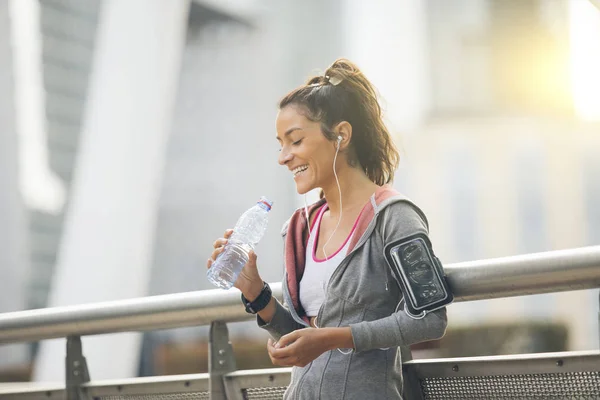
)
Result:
{"points": [[247, 232]]}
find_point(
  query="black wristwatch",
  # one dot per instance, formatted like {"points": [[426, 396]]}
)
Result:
{"points": [[260, 302]]}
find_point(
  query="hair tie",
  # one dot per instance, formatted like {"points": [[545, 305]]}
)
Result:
{"points": [[332, 80]]}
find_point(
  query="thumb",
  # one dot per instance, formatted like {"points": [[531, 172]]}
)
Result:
{"points": [[252, 259], [286, 340]]}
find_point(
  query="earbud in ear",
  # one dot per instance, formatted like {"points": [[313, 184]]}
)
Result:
{"points": [[339, 140]]}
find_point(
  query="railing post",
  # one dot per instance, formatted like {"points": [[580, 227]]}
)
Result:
{"points": [[412, 387], [220, 359], [76, 370]]}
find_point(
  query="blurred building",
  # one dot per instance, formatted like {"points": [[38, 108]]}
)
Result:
{"points": [[68, 41], [478, 92]]}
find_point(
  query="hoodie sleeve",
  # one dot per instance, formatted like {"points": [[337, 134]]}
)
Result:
{"points": [[281, 324], [400, 220]]}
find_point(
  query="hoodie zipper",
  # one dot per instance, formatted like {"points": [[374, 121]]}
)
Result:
{"points": [[288, 300]]}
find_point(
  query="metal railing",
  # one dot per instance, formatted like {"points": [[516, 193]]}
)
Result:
{"points": [[548, 272], [565, 375]]}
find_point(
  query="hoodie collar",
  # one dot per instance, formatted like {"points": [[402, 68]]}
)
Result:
{"points": [[295, 240]]}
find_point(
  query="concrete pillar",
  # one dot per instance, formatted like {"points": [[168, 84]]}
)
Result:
{"points": [[40, 187], [106, 251], [13, 215]]}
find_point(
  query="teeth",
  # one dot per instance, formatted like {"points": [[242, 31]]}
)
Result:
{"points": [[297, 170]]}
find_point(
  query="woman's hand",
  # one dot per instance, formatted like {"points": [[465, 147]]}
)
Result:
{"points": [[302, 346], [249, 282]]}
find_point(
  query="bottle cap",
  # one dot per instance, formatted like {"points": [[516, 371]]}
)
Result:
{"points": [[267, 203]]}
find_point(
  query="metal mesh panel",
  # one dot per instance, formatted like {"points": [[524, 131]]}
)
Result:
{"points": [[575, 385], [167, 396], [273, 393]]}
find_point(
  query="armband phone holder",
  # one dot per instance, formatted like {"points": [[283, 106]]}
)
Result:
{"points": [[419, 274]]}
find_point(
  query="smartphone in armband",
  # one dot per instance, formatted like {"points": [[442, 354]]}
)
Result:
{"points": [[419, 273]]}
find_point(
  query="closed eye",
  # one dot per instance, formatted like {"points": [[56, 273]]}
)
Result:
{"points": [[297, 142]]}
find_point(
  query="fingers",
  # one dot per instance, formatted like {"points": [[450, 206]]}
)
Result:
{"points": [[287, 362], [270, 348], [271, 344], [216, 252], [276, 359], [252, 259], [219, 246], [220, 242], [288, 339], [284, 349], [282, 353], [214, 256]]}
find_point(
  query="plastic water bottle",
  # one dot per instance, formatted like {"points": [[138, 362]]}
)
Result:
{"points": [[248, 231]]}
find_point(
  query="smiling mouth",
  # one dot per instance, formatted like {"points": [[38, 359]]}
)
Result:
{"points": [[298, 170]]}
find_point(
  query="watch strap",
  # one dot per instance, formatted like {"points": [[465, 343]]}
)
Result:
{"points": [[253, 307]]}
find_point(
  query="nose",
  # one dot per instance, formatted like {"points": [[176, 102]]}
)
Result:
{"points": [[284, 156]]}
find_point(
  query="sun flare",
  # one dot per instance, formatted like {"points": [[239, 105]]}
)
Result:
{"points": [[585, 58]]}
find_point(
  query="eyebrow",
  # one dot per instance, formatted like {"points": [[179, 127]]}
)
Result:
{"points": [[289, 132]]}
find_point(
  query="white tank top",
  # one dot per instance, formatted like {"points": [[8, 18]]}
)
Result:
{"points": [[318, 271]]}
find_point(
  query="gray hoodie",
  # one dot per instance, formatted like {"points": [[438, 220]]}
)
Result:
{"points": [[363, 294]]}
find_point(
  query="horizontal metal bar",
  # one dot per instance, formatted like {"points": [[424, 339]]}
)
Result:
{"points": [[190, 383], [537, 273], [139, 314], [261, 378], [539, 363], [9, 389], [156, 385], [548, 272], [511, 365]]}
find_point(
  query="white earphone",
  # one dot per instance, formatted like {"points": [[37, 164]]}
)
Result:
{"points": [[339, 140]]}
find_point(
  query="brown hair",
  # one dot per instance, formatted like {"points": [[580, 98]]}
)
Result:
{"points": [[343, 93]]}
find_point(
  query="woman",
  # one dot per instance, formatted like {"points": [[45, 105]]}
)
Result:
{"points": [[341, 326]]}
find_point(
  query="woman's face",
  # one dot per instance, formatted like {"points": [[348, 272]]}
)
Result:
{"points": [[304, 150]]}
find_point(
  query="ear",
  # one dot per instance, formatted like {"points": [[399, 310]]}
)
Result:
{"points": [[343, 129]]}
